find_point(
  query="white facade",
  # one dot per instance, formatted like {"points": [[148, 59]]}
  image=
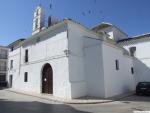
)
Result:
{"points": [[79, 59], [117, 81], [92, 64], [141, 60], [83, 63], [50, 49]]}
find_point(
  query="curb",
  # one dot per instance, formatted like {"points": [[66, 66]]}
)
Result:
{"points": [[86, 101]]}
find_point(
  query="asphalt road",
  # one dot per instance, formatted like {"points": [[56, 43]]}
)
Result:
{"points": [[126, 105], [16, 103]]}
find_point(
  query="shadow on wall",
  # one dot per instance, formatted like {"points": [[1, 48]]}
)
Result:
{"points": [[142, 71], [35, 107]]}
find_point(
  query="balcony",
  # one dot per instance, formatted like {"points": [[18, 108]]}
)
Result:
{"points": [[3, 68], [2, 56]]}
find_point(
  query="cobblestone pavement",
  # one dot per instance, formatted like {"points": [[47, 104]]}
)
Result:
{"points": [[17, 103]]}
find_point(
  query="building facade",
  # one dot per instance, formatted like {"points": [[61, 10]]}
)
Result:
{"points": [[69, 60], [3, 63], [137, 47]]}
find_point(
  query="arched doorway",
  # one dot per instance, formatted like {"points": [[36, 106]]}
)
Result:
{"points": [[47, 79]]}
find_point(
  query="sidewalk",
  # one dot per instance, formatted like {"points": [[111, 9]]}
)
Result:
{"points": [[83, 100]]}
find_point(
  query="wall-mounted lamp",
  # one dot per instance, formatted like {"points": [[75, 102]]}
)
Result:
{"points": [[67, 52]]}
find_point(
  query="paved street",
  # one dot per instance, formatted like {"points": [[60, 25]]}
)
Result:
{"points": [[127, 105], [16, 103]]}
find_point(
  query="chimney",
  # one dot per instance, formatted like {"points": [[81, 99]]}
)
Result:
{"points": [[52, 21]]}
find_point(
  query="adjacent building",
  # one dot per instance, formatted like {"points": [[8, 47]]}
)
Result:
{"points": [[3, 64]]}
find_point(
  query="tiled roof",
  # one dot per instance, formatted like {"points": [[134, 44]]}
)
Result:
{"points": [[16, 42], [143, 36], [103, 25]]}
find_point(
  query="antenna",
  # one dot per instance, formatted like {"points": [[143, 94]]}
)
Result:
{"points": [[50, 5]]}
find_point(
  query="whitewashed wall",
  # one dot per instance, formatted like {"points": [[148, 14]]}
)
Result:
{"points": [[94, 70], [76, 62], [85, 63], [50, 49], [141, 60], [117, 81], [92, 66]]}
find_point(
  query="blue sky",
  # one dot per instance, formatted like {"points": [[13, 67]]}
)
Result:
{"points": [[16, 16]]}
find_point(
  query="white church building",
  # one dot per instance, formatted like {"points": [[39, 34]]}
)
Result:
{"points": [[68, 60]]}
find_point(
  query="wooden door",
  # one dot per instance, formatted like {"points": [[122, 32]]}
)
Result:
{"points": [[47, 80]]}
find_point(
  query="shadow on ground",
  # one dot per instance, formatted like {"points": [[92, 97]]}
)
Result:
{"points": [[2, 88], [35, 107], [135, 98]]}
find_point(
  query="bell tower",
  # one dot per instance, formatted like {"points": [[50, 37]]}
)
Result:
{"points": [[39, 20]]}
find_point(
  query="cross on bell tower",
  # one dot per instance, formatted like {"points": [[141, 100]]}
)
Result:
{"points": [[39, 20]]}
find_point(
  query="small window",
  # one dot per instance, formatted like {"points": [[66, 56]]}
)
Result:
{"points": [[26, 55], [26, 77], [117, 64], [2, 77], [12, 48], [132, 70], [11, 64]]}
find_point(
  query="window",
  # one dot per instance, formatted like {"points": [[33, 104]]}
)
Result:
{"points": [[26, 77], [11, 64], [132, 51], [3, 66], [117, 64], [2, 77], [132, 70], [26, 55]]}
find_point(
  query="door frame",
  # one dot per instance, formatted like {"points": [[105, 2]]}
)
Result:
{"points": [[41, 78]]}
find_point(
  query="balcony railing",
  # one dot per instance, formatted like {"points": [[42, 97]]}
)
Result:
{"points": [[3, 56], [3, 68]]}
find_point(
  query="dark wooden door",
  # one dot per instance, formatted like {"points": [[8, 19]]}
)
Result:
{"points": [[47, 80]]}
